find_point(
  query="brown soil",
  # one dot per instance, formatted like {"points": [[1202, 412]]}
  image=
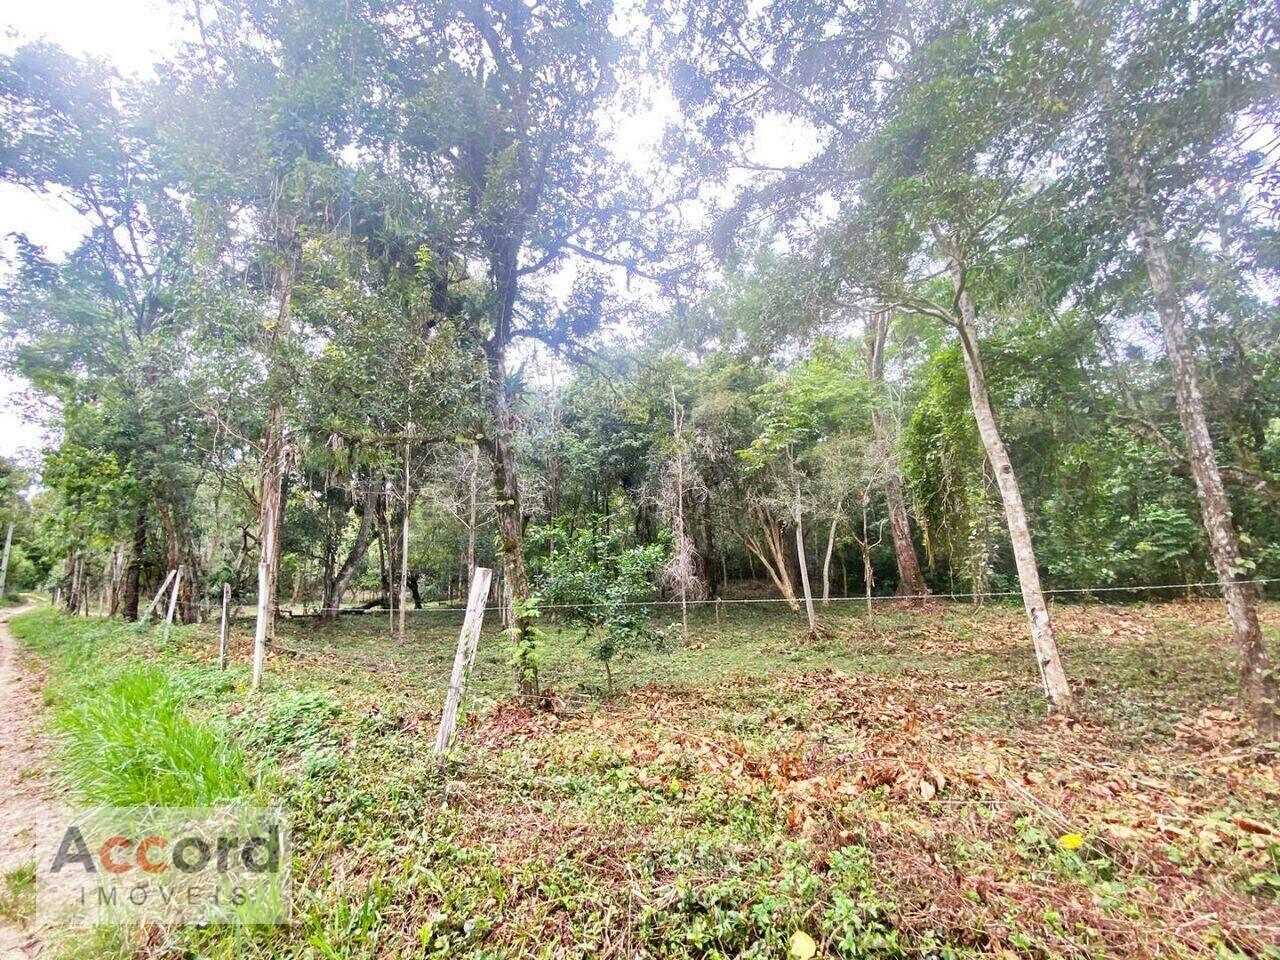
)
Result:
{"points": [[27, 796]]}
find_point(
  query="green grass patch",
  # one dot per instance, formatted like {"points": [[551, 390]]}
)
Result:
{"points": [[125, 734], [134, 744], [18, 895]]}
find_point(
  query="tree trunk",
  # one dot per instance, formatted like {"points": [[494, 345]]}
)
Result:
{"points": [[133, 576], [404, 543], [714, 571], [1054, 677], [108, 580], [271, 484], [506, 484], [772, 556], [180, 552], [472, 511], [72, 577], [4, 562], [335, 591], [804, 575], [910, 579], [511, 539], [1261, 691], [270, 516], [826, 562], [391, 581], [677, 425], [269, 521]]}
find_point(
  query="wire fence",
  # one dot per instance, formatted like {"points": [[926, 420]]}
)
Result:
{"points": [[913, 654], [854, 598]]}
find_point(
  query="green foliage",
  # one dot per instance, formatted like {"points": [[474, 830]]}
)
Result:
{"points": [[293, 724], [133, 744], [527, 641], [596, 581], [815, 399], [18, 895], [93, 497], [943, 464]]}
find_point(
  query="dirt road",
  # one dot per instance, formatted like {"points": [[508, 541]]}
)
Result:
{"points": [[27, 796]]}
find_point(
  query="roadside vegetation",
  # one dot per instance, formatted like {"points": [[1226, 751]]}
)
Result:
{"points": [[888, 792]]}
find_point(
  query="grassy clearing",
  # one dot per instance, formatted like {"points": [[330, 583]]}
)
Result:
{"points": [[894, 790]]}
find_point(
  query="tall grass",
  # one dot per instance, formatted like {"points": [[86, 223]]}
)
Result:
{"points": [[125, 735], [133, 744]]}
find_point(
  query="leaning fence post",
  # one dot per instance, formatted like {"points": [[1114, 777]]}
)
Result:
{"points": [[173, 603], [224, 630], [159, 593], [464, 658]]}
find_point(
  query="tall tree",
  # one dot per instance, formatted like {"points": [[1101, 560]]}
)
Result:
{"points": [[100, 329], [928, 118], [1181, 90], [492, 124], [911, 581], [257, 113]]}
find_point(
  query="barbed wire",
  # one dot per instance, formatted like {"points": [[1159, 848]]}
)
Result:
{"points": [[1059, 591]]}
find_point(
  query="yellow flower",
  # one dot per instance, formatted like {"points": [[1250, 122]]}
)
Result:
{"points": [[1070, 841], [802, 946]]}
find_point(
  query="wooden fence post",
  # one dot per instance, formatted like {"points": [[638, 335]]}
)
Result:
{"points": [[260, 632], [464, 658], [159, 594], [173, 604], [4, 563], [224, 631]]}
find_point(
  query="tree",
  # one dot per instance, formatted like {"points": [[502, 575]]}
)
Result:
{"points": [[911, 581], [801, 415], [98, 331], [591, 578], [491, 128], [256, 114], [1180, 87], [681, 570], [931, 163]]}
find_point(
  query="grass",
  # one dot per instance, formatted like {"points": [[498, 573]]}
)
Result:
{"points": [[18, 895], [891, 790], [125, 736], [133, 744]]}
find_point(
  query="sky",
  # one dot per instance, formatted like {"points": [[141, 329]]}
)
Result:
{"points": [[132, 34]]}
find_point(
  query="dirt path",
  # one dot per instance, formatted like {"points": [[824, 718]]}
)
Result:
{"points": [[26, 795]]}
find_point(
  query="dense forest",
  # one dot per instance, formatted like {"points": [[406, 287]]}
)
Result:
{"points": [[807, 301]]}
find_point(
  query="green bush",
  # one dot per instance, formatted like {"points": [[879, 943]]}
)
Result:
{"points": [[595, 580]]}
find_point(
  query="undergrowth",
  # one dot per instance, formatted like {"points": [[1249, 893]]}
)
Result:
{"points": [[881, 794], [17, 894]]}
